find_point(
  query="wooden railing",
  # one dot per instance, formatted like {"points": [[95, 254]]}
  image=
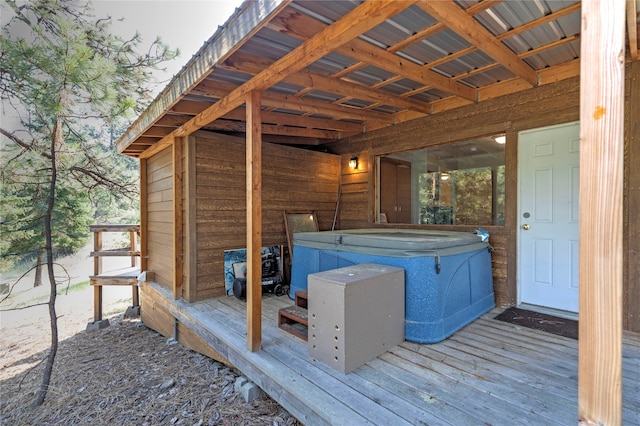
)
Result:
{"points": [[124, 276]]}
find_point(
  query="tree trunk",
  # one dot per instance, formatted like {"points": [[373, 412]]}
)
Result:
{"points": [[37, 281], [53, 350]]}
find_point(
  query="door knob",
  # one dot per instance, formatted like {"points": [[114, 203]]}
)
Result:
{"points": [[526, 227]]}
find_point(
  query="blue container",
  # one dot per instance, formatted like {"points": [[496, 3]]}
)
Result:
{"points": [[448, 279]]}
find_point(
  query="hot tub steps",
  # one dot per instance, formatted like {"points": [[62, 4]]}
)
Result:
{"points": [[293, 319]]}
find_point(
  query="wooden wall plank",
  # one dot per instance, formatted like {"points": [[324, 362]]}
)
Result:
{"points": [[601, 227], [632, 198], [304, 181], [159, 236]]}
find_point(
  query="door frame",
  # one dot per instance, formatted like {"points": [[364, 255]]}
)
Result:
{"points": [[519, 223]]}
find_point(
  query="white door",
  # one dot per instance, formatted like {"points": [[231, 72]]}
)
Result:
{"points": [[548, 164]]}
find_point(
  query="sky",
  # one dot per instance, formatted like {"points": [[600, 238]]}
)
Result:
{"points": [[183, 24]]}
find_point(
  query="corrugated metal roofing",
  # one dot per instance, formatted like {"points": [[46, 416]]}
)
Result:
{"points": [[407, 62]]}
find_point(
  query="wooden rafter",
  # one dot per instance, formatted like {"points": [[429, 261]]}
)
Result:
{"points": [[508, 34], [364, 17], [522, 55], [417, 37], [464, 25], [313, 81], [273, 129], [283, 119], [437, 27], [474, 10], [554, 16], [217, 89], [274, 123], [172, 120], [303, 27]]}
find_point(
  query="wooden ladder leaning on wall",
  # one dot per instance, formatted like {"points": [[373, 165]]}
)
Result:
{"points": [[124, 276]]}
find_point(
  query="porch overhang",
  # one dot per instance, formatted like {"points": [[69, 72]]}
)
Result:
{"points": [[427, 57], [322, 71]]}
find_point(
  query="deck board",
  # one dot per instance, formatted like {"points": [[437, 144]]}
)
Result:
{"points": [[490, 372], [402, 409]]}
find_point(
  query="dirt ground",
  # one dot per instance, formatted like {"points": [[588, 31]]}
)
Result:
{"points": [[123, 374]]}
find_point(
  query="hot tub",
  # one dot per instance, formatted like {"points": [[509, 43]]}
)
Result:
{"points": [[448, 280]]}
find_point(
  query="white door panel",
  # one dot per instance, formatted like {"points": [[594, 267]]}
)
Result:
{"points": [[548, 216]]}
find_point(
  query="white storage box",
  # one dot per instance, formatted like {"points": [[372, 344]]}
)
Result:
{"points": [[355, 314]]}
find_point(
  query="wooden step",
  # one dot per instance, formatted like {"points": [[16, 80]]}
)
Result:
{"points": [[293, 319], [301, 298]]}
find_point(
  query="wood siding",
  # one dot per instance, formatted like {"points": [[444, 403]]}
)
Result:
{"points": [[159, 217], [293, 179], [543, 106], [631, 243]]}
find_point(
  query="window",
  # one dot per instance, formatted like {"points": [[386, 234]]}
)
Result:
{"points": [[458, 183]]}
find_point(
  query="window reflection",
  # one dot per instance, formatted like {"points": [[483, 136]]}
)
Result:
{"points": [[459, 183]]}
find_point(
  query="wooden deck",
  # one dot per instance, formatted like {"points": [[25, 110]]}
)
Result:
{"points": [[490, 372]]}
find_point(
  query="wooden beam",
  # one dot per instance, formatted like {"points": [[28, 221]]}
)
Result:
{"points": [[554, 16], [144, 251], [601, 221], [157, 132], [172, 120], [632, 29], [439, 26], [254, 223], [303, 27], [158, 146], [297, 120], [314, 81], [464, 25], [220, 89], [178, 249], [364, 17], [191, 107], [271, 129], [487, 4]]}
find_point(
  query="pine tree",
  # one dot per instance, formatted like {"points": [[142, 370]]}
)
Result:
{"points": [[61, 73]]}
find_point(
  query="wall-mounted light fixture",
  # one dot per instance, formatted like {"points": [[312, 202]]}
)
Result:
{"points": [[444, 176], [500, 139], [353, 163]]}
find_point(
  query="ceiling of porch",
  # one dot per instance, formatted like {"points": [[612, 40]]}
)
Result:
{"points": [[328, 70]]}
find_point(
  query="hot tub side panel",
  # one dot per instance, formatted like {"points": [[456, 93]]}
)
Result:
{"points": [[436, 304]]}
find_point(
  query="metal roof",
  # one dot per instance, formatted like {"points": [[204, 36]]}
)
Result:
{"points": [[403, 67]]}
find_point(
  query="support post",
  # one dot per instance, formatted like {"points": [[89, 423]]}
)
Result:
{"points": [[601, 202], [254, 222], [97, 270], [144, 256], [190, 259], [177, 218]]}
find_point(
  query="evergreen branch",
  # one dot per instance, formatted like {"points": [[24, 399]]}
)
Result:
{"points": [[16, 140]]}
